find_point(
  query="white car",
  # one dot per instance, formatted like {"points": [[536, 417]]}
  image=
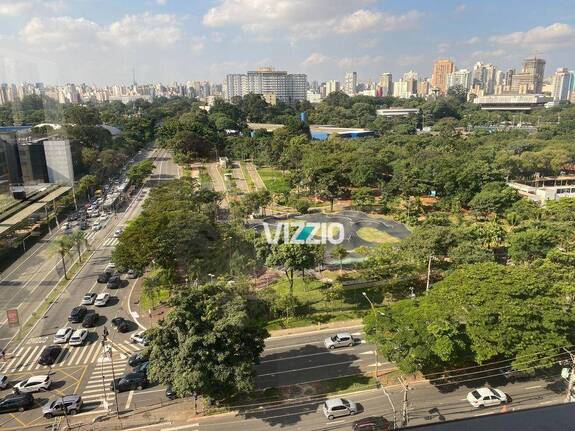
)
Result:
{"points": [[118, 232], [63, 335], [103, 217], [337, 407], [486, 397], [89, 298], [33, 384], [96, 226], [111, 265], [102, 299], [343, 339], [138, 338], [3, 381], [78, 337]]}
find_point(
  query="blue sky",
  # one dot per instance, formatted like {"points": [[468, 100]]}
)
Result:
{"points": [[100, 41]]}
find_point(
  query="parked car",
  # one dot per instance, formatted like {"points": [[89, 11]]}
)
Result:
{"points": [[78, 337], [114, 282], [139, 338], [120, 324], [103, 217], [486, 397], [96, 226], [118, 232], [170, 394], [77, 314], [102, 299], [66, 405], [90, 320], [62, 335], [3, 381], [337, 407], [129, 382], [89, 298], [343, 339], [132, 274], [372, 423], [136, 359], [33, 384], [16, 403], [83, 224], [141, 368], [49, 355]]}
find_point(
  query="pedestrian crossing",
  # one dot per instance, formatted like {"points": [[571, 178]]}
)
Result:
{"points": [[26, 358], [110, 242], [97, 389]]}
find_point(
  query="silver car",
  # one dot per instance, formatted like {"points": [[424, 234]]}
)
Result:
{"points": [[337, 407], [3, 381], [68, 404], [343, 339]]}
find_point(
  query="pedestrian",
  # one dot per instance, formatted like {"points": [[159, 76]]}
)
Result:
{"points": [[3, 355]]}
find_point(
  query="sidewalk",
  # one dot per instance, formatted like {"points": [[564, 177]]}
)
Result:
{"points": [[315, 328]]}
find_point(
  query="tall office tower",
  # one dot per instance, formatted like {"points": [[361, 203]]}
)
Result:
{"points": [[490, 79], [235, 85], [350, 83], [479, 75], [459, 77], [386, 84], [499, 77], [296, 87], [331, 87], [562, 84], [424, 87], [441, 70], [411, 78], [530, 79]]}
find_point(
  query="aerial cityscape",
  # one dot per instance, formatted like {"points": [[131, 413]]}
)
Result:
{"points": [[316, 215]]}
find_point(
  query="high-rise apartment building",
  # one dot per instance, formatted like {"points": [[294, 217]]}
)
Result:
{"points": [[331, 87], [272, 84], [563, 82], [386, 84], [530, 79], [441, 70], [350, 84], [411, 78], [459, 77]]}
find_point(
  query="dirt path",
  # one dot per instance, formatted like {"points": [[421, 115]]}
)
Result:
{"points": [[218, 182], [239, 179], [255, 176]]}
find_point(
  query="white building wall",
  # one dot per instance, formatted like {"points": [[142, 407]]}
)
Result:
{"points": [[59, 161]]}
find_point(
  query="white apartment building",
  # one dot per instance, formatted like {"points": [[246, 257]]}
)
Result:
{"points": [[350, 83], [59, 161], [271, 83], [459, 77], [331, 87], [563, 83]]}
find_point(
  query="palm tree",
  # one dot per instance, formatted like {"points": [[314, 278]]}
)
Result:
{"points": [[78, 239], [62, 245]]}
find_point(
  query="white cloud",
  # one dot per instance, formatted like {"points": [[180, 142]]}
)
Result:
{"points": [[59, 33], [488, 54], [161, 29], [410, 60], [443, 47], [315, 58], [461, 7], [162, 2], [15, 8], [304, 19], [473, 40], [351, 62], [557, 35], [198, 44]]}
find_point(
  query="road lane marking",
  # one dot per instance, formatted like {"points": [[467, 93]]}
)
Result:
{"points": [[18, 357], [313, 343], [327, 352], [129, 400], [74, 354], [335, 422], [534, 387], [181, 427], [33, 355], [319, 331], [308, 368]]}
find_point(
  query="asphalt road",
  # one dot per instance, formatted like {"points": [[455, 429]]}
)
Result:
{"points": [[84, 370]]}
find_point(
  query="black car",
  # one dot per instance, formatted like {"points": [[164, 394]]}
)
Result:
{"points": [[83, 224], [129, 382], [16, 403], [141, 369], [120, 324], [90, 320], [104, 277], [136, 359], [77, 314], [114, 282], [372, 423], [49, 355], [170, 394]]}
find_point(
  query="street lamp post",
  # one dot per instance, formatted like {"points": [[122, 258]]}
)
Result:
{"points": [[376, 353], [211, 277]]}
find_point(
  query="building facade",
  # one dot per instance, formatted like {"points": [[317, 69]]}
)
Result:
{"points": [[441, 70], [386, 84], [271, 83], [350, 83], [459, 77], [563, 82], [331, 87], [59, 164]]}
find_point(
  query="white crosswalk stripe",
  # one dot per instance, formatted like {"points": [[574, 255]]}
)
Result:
{"points": [[97, 389], [110, 242]]}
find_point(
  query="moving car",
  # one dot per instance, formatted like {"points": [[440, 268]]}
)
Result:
{"points": [[142, 368], [62, 335], [77, 314], [118, 232], [129, 382], [102, 299], [170, 393], [97, 226], [90, 320], [16, 403], [33, 384], [120, 324], [336, 407], [83, 224], [343, 339], [139, 338], [104, 276], [486, 397], [103, 217], [78, 337], [49, 355], [114, 282], [133, 274], [89, 298], [372, 423], [66, 405], [136, 359]]}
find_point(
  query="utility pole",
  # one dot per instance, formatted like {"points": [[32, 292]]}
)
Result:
{"points": [[105, 334], [392, 406], [571, 377], [405, 406], [376, 353], [428, 274]]}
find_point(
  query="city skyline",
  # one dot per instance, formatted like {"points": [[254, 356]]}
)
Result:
{"points": [[171, 40]]}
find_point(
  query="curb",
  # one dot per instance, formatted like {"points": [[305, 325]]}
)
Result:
{"points": [[308, 330]]}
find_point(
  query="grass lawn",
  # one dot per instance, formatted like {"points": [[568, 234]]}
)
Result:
{"points": [[247, 176], [275, 180], [372, 234], [148, 303], [205, 180]]}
